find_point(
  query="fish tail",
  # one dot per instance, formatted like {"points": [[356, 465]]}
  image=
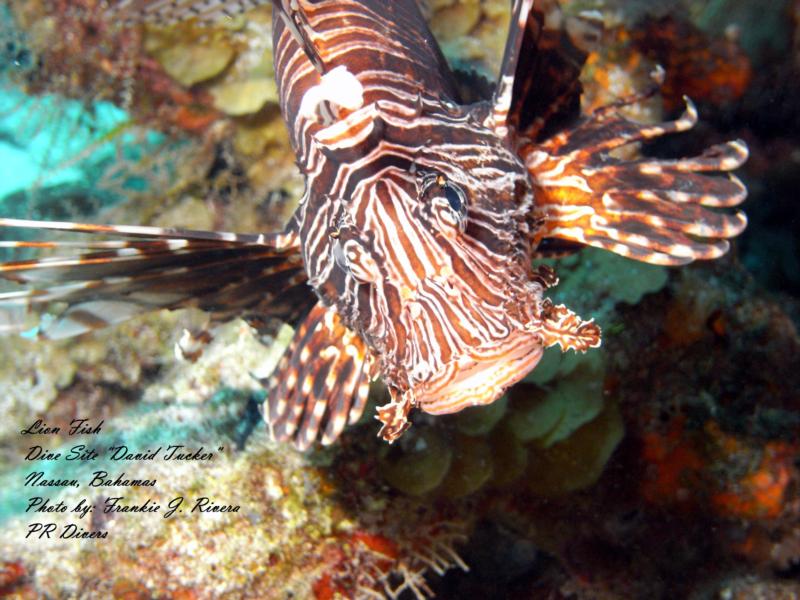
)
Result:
{"points": [[91, 284], [658, 211]]}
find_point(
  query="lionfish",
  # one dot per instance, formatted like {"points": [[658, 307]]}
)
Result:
{"points": [[410, 256]]}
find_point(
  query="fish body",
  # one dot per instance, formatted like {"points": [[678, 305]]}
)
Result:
{"points": [[396, 228], [411, 253]]}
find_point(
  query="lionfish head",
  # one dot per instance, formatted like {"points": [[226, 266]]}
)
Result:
{"points": [[448, 300]]}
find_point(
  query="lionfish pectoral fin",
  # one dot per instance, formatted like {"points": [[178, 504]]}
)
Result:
{"points": [[561, 326], [94, 284], [321, 383], [657, 211]]}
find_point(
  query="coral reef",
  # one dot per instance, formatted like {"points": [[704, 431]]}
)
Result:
{"points": [[663, 465], [711, 70], [286, 507], [187, 80]]}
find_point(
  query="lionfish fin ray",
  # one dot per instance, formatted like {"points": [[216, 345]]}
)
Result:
{"points": [[503, 93], [295, 21], [225, 274], [653, 210], [321, 383], [168, 12]]}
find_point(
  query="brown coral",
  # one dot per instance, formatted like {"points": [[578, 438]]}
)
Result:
{"points": [[712, 70]]}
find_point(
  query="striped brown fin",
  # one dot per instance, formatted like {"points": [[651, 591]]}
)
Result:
{"points": [[321, 383], [657, 211], [167, 12], [106, 282], [547, 88]]}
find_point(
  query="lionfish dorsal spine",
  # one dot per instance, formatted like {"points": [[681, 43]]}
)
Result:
{"points": [[504, 89]]}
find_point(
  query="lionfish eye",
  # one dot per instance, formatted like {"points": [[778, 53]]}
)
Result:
{"points": [[448, 201], [454, 196]]}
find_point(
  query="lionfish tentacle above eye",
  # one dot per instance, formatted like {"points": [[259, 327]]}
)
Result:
{"points": [[226, 274]]}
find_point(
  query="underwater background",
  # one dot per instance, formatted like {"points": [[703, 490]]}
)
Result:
{"points": [[662, 465]]}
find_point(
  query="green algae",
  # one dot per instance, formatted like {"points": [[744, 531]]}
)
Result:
{"points": [[551, 414], [593, 281], [577, 461], [472, 467], [509, 454], [422, 464]]}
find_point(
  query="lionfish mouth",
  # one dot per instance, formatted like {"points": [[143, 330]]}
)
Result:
{"points": [[480, 376]]}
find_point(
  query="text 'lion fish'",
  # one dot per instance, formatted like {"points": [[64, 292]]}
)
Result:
{"points": [[410, 255]]}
